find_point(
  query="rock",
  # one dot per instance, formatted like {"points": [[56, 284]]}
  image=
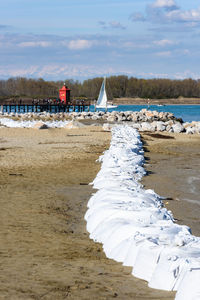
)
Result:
{"points": [[128, 118], [40, 125], [143, 111], [81, 118], [190, 130], [155, 113], [170, 116], [160, 126], [179, 120], [198, 127], [150, 116], [178, 127], [74, 124], [101, 113], [74, 114], [113, 113], [107, 126], [119, 118], [111, 119], [186, 125], [94, 117], [169, 128], [127, 113], [170, 122], [136, 126], [146, 126], [134, 117]]}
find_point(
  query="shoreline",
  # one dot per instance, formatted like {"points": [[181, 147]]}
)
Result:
{"points": [[141, 101], [44, 181], [172, 104]]}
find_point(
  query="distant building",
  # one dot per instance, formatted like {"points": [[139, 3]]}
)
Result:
{"points": [[64, 94]]}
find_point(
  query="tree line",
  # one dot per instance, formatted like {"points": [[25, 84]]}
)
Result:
{"points": [[116, 86]]}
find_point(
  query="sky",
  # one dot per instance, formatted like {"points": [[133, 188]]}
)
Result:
{"points": [[82, 39]]}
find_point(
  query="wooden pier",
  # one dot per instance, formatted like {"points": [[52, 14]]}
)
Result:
{"points": [[44, 106]]}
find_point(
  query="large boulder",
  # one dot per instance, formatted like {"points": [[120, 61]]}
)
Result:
{"points": [[136, 126], [40, 125], [150, 115], [111, 118], [134, 116], [160, 126], [190, 130], [178, 127], [146, 126]]}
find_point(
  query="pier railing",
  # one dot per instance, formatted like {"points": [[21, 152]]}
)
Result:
{"points": [[41, 106]]}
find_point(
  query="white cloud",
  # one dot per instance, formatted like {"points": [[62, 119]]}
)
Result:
{"points": [[137, 17], [84, 71], [184, 16], [10, 71], [168, 4], [164, 53], [153, 75], [79, 44], [186, 51], [187, 74], [135, 45], [168, 11], [55, 71], [164, 42], [111, 25], [35, 44], [117, 25]]}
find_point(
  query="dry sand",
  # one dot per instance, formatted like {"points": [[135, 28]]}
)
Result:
{"points": [[45, 251]]}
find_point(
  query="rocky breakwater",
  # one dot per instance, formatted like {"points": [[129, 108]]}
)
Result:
{"points": [[144, 120]]}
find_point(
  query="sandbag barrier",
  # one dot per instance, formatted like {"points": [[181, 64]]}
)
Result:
{"points": [[134, 226]]}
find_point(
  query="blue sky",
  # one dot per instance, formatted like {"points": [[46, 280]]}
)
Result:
{"points": [[80, 39]]}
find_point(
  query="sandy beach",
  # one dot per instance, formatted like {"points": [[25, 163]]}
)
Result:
{"points": [[45, 249], [172, 162]]}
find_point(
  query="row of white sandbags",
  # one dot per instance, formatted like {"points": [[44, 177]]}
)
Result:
{"points": [[133, 225], [31, 123]]}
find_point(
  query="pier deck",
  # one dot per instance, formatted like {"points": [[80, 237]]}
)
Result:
{"points": [[41, 106]]}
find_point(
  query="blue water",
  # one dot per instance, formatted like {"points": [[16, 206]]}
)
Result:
{"points": [[188, 113]]}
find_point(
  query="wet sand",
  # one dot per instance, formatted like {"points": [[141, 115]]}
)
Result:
{"points": [[45, 251], [172, 162]]}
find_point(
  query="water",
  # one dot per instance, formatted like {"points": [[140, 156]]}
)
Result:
{"points": [[188, 113]]}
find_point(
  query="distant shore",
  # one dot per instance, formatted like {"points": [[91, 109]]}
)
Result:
{"points": [[142, 101]]}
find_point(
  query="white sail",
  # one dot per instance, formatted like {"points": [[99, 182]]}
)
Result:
{"points": [[102, 99]]}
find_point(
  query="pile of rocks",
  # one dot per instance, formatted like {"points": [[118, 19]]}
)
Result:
{"points": [[127, 116], [169, 126], [192, 128], [143, 120]]}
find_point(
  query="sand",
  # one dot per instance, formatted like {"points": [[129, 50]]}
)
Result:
{"points": [[45, 250], [172, 162]]}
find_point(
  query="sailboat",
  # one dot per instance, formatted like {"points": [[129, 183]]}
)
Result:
{"points": [[102, 99]]}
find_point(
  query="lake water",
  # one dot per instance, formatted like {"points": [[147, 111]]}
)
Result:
{"points": [[188, 113]]}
